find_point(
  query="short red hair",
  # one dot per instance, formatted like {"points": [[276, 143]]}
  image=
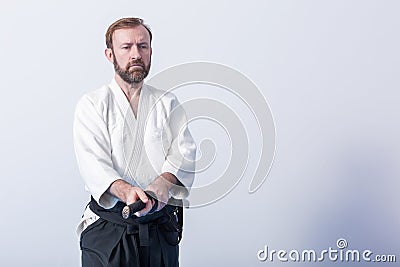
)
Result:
{"points": [[124, 23]]}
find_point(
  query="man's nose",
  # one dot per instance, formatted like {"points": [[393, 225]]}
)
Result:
{"points": [[135, 53]]}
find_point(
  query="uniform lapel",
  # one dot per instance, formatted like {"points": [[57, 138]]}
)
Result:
{"points": [[132, 163], [132, 130]]}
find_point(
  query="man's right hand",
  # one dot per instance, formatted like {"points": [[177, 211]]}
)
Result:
{"points": [[130, 194]]}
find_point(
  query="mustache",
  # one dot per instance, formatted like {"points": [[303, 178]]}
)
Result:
{"points": [[136, 63]]}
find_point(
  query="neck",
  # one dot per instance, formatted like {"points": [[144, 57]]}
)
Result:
{"points": [[129, 89]]}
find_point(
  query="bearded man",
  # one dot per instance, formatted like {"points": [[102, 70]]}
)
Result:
{"points": [[131, 140]]}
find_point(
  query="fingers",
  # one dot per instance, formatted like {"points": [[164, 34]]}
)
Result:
{"points": [[160, 187], [146, 210], [161, 193], [134, 194], [142, 195]]}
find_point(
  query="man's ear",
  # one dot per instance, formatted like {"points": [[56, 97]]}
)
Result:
{"points": [[109, 55]]}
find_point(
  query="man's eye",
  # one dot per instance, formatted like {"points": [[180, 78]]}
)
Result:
{"points": [[125, 47], [143, 46]]}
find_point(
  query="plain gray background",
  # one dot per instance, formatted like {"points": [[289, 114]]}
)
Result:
{"points": [[329, 70]]}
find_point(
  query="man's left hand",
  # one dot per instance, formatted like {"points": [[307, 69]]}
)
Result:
{"points": [[161, 186]]}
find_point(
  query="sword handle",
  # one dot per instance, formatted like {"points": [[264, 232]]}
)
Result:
{"points": [[129, 210]]}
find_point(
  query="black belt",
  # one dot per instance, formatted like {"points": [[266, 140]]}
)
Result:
{"points": [[134, 224]]}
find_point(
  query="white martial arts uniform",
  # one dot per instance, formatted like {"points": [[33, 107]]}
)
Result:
{"points": [[110, 143]]}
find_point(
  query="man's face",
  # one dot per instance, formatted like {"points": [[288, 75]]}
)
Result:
{"points": [[131, 54]]}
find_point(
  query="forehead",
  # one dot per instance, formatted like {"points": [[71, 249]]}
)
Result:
{"points": [[131, 35]]}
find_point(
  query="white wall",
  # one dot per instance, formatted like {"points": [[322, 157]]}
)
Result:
{"points": [[329, 70]]}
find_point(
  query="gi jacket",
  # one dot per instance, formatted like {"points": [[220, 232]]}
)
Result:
{"points": [[110, 143]]}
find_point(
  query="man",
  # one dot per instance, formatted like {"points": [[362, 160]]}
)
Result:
{"points": [[131, 142]]}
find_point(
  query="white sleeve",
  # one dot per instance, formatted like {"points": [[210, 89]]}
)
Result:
{"points": [[180, 158], [93, 152]]}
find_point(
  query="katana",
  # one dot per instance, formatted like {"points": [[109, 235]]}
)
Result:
{"points": [[129, 210]]}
